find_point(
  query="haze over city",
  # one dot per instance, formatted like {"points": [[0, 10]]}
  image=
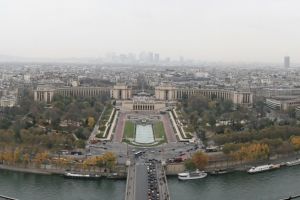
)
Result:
{"points": [[229, 31], [149, 99]]}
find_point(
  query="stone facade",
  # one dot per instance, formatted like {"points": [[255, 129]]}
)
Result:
{"points": [[83, 91], [283, 103], [121, 92], [44, 93], [164, 92], [168, 92], [131, 105]]}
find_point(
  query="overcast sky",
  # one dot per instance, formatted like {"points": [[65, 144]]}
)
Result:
{"points": [[211, 30]]}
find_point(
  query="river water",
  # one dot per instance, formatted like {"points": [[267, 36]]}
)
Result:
{"points": [[265, 186], [25, 186], [269, 185]]}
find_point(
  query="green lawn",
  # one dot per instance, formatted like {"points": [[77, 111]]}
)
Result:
{"points": [[107, 114], [159, 131], [105, 117], [129, 131]]}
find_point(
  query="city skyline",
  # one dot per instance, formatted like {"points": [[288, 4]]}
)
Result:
{"points": [[149, 58], [235, 31]]}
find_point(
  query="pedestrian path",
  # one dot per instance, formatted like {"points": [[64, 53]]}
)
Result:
{"points": [[118, 135], [171, 137]]}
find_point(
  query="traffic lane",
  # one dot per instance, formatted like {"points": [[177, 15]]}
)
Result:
{"points": [[141, 182]]}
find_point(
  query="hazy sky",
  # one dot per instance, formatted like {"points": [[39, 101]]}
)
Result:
{"points": [[212, 30]]}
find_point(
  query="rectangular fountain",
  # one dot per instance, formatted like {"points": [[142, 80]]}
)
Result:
{"points": [[144, 134]]}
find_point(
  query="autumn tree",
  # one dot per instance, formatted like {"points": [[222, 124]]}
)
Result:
{"points": [[17, 154], [295, 141], [26, 159], [250, 152], [200, 160], [91, 122], [109, 159], [41, 158]]}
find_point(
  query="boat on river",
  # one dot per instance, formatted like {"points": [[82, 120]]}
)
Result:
{"points": [[263, 168], [293, 162], [192, 175], [81, 176], [219, 172], [116, 176]]}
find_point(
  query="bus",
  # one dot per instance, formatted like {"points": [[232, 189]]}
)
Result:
{"points": [[137, 154]]}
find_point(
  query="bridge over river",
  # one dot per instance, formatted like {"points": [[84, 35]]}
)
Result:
{"points": [[146, 180]]}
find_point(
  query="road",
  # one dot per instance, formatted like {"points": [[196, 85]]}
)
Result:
{"points": [[141, 181], [161, 152]]}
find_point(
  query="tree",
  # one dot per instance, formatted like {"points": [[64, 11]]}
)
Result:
{"points": [[16, 155], [80, 144], [189, 164], [209, 117], [291, 112], [197, 103], [5, 123], [259, 106], [295, 141], [224, 106], [17, 135], [194, 119], [200, 160], [41, 158], [109, 159], [26, 159], [91, 122], [230, 147], [254, 151], [285, 148]]}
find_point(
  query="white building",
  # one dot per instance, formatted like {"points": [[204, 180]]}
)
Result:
{"points": [[8, 101], [282, 103]]}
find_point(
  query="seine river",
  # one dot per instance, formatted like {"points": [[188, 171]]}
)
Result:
{"points": [[265, 186], [25, 186]]}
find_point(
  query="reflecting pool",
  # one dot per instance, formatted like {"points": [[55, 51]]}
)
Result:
{"points": [[144, 134]]}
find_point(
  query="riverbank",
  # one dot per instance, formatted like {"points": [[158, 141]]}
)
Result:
{"points": [[31, 170], [171, 169], [50, 171], [230, 165]]}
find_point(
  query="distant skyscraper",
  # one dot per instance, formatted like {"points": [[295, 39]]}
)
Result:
{"points": [[286, 61], [181, 59], [150, 57], [156, 57]]}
